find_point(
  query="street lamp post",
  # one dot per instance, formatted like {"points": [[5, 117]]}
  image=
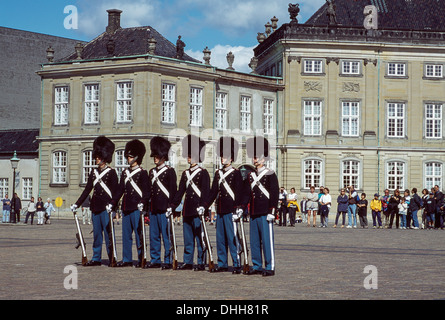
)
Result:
{"points": [[14, 164]]}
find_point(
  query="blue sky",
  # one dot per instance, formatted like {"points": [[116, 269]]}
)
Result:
{"points": [[222, 26]]}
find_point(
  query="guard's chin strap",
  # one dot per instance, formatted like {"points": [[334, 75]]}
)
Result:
{"points": [[133, 161]]}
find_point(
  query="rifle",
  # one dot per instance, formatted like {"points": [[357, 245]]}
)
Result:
{"points": [[80, 240], [143, 242], [173, 243], [246, 266], [111, 234], [207, 244]]}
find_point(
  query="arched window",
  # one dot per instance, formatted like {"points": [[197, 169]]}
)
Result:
{"points": [[312, 173]]}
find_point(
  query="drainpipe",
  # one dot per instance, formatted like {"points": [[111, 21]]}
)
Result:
{"points": [[378, 120]]}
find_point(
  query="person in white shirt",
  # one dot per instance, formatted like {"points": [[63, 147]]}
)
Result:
{"points": [[31, 211], [325, 205], [292, 204]]}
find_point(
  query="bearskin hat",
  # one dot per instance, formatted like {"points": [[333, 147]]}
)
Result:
{"points": [[193, 147], [227, 147], [103, 149], [160, 147], [135, 148], [257, 147]]}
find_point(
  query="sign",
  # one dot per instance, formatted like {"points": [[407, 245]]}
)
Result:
{"points": [[59, 202]]}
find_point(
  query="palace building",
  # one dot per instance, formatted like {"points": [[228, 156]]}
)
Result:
{"points": [[363, 106]]}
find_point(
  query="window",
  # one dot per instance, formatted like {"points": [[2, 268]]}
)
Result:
{"points": [[350, 173], [396, 69], [124, 107], [91, 103], [396, 120], [350, 67], [88, 163], [245, 116], [395, 175], [312, 173], [168, 103], [433, 121], [4, 187], [27, 188], [433, 175], [121, 162], [350, 119], [434, 70], [312, 117], [221, 111], [196, 107], [313, 66], [59, 167], [61, 105], [268, 116]]}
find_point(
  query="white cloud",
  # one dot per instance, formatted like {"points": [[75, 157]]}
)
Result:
{"points": [[218, 57], [93, 17]]}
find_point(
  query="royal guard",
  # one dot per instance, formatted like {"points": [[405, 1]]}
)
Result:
{"points": [[263, 200], [226, 190], [134, 191], [103, 181], [162, 179], [195, 184]]}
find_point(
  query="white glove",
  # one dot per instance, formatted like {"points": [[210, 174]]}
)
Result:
{"points": [[237, 215], [168, 213], [109, 207], [200, 211], [270, 217], [74, 207], [141, 207]]}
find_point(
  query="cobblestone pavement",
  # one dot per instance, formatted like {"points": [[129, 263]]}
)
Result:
{"points": [[311, 264]]}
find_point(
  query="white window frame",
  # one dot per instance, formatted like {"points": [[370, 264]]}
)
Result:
{"points": [[245, 113], [268, 118], [59, 175], [350, 121], [396, 122], [433, 176], [26, 188], [433, 70], [61, 105], [124, 105], [312, 177], [4, 187], [313, 66], [168, 103], [433, 121], [350, 67], [221, 111], [88, 163], [395, 179], [396, 69], [312, 117], [91, 104], [350, 173], [120, 162], [196, 107]]}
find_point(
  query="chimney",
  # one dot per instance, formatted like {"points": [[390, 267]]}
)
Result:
{"points": [[114, 20]]}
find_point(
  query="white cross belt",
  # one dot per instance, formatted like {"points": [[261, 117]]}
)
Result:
{"points": [[256, 182], [133, 184], [99, 179], [190, 181], [156, 175], [222, 179]]}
